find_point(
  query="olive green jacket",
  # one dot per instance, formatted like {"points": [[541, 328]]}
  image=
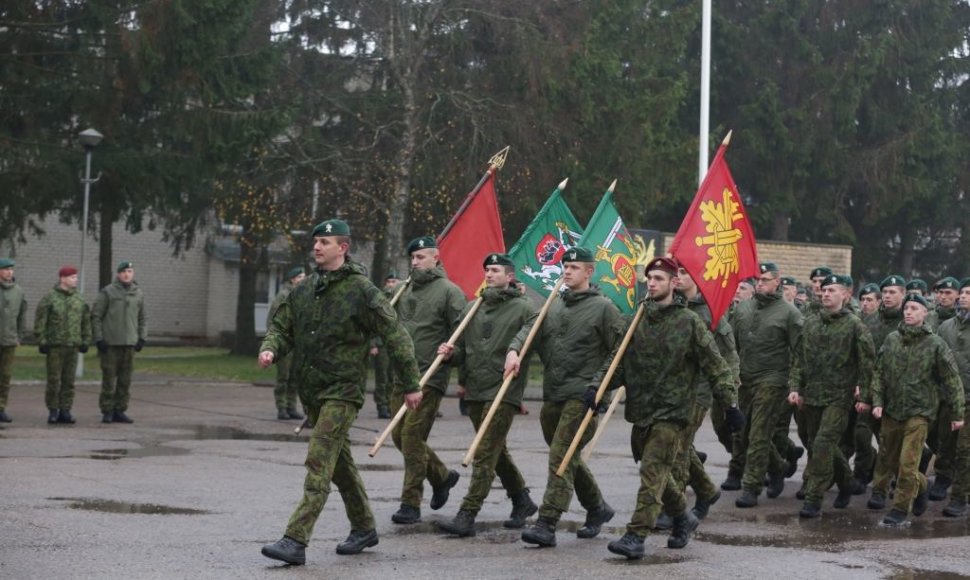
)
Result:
{"points": [[118, 317], [726, 347], [481, 349], [579, 332], [767, 330], [834, 357], [956, 333], [62, 319], [13, 314]]}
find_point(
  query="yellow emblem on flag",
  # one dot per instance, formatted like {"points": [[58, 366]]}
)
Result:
{"points": [[722, 251]]}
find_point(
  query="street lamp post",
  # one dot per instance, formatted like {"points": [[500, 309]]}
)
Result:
{"points": [[89, 139]]}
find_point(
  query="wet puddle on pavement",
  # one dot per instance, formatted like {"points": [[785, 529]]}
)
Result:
{"points": [[121, 507], [150, 451]]}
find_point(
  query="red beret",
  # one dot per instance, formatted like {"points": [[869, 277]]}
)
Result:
{"points": [[667, 265], [66, 271]]}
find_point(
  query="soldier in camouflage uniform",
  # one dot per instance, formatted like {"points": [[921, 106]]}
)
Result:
{"points": [[671, 349], [383, 377], [62, 324], [480, 356], [285, 392], [914, 367], [13, 314], [581, 329], [940, 440], [429, 309], [956, 333], [834, 357], [917, 286], [118, 323], [869, 300], [327, 323]]}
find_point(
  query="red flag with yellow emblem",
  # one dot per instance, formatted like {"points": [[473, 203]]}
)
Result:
{"points": [[474, 232], [715, 243]]}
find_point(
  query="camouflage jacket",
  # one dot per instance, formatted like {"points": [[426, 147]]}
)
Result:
{"points": [[429, 309], [580, 330], [670, 349], [882, 323], [62, 319], [956, 333], [767, 330], [913, 368], [834, 357], [275, 305], [13, 314], [481, 349], [327, 323], [726, 347], [118, 316]]}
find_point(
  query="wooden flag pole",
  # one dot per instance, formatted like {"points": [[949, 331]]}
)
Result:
{"points": [[511, 376], [588, 450], [427, 377], [602, 389]]}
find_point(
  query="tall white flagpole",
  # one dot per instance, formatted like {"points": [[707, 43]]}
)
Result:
{"points": [[702, 162]]}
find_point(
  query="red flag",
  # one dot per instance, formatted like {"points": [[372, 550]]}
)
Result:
{"points": [[474, 232], [715, 243]]}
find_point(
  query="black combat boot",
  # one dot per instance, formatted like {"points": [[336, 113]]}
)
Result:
{"points": [[895, 517], [286, 550], [52, 416], [877, 501], [941, 484], [4, 417], [292, 413], [664, 522], [107, 417], [842, 500], [120, 417], [794, 454], [522, 507], [407, 515], [810, 511], [956, 509], [542, 534], [440, 493], [921, 502], [748, 499], [357, 541], [701, 456], [858, 487], [684, 526], [732, 483], [595, 520], [65, 417], [462, 526], [776, 482], [702, 506], [383, 412], [630, 545]]}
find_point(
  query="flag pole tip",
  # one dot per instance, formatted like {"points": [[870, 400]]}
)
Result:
{"points": [[498, 160], [612, 187], [727, 138], [562, 184]]}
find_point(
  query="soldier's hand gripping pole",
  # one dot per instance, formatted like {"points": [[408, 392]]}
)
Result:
{"points": [[427, 376], [470, 456], [620, 351], [588, 450]]}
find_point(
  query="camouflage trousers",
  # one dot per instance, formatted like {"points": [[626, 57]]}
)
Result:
{"points": [[382, 378], [900, 450], [285, 393], [943, 442], [329, 459], [656, 448], [560, 422], [61, 367], [723, 431], [767, 406], [824, 428], [492, 456], [411, 438], [116, 366], [739, 449], [961, 464], [689, 470], [6, 371], [866, 430]]}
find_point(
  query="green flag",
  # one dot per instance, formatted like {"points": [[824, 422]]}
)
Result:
{"points": [[537, 253], [616, 254]]}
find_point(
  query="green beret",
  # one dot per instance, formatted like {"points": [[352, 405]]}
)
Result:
{"points": [[869, 288], [917, 284], [820, 272], [964, 283], [425, 243], [578, 254], [498, 260], [124, 265], [392, 275], [892, 280], [769, 267], [837, 279], [293, 273], [948, 283], [6, 263], [750, 281], [788, 281], [663, 264], [916, 298], [331, 228]]}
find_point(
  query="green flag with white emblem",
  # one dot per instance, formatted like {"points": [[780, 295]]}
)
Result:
{"points": [[616, 254]]}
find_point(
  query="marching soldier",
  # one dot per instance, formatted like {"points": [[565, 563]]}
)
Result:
{"points": [[940, 439], [581, 329], [13, 314], [326, 323], [285, 392], [480, 355], [428, 309], [869, 299], [671, 349], [63, 327], [956, 333], [946, 292], [917, 286], [789, 289], [914, 367]]}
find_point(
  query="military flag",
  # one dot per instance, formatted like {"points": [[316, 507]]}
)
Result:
{"points": [[537, 253], [616, 254], [715, 243]]}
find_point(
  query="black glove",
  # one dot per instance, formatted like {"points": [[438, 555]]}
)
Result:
{"points": [[734, 418], [82, 349], [44, 349], [102, 346], [589, 398], [139, 345]]}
